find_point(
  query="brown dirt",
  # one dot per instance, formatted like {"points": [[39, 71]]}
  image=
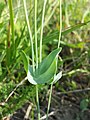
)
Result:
{"points": [[61, 109]]}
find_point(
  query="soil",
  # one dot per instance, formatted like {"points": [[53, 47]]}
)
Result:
{"points": [[62, 108]]}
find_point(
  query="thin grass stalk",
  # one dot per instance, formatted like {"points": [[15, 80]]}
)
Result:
{"points": [[37, 100], [36, 47], [49, 17], [12, 25], [30, 33], [8, 55], [49, 101], [47, 20], [30, 11], [11, 19], [18, 6], [42, 26], [36, 50], [60, 30]]}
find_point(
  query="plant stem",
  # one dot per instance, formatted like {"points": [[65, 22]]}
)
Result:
{"points": [[43, 13], [11, 19], [36, 49], [8, 55], [49, 17], [12, 27], [30, 33], [60, 30], [37, 99], [49, 101]]}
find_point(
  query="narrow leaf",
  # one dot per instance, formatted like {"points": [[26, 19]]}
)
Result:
{"points": [[55, 34], [0, 69], [75, 27], [25, 60]]}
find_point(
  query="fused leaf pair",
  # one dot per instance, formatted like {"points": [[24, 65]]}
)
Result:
{"points": [[46, 69]]}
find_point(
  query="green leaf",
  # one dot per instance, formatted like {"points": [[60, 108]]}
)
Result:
{"points": [[2, 47], [25, 60], [45, 64], [11, 19], [2, 56], [55, 34], [75, 27], [43, 78], [2, 6], [75, 45], [84, 104], [0, 69], [73, 84], [45, 71], [1, 25]]}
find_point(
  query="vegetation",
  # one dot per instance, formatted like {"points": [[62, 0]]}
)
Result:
{"points": [[43, 45]]}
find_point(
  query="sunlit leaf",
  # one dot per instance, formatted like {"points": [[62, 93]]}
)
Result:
{"points": [[45, 71], [43, 78], [30, 76], [45, 64], [2, 6], [2, 47], [57, 77]]}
